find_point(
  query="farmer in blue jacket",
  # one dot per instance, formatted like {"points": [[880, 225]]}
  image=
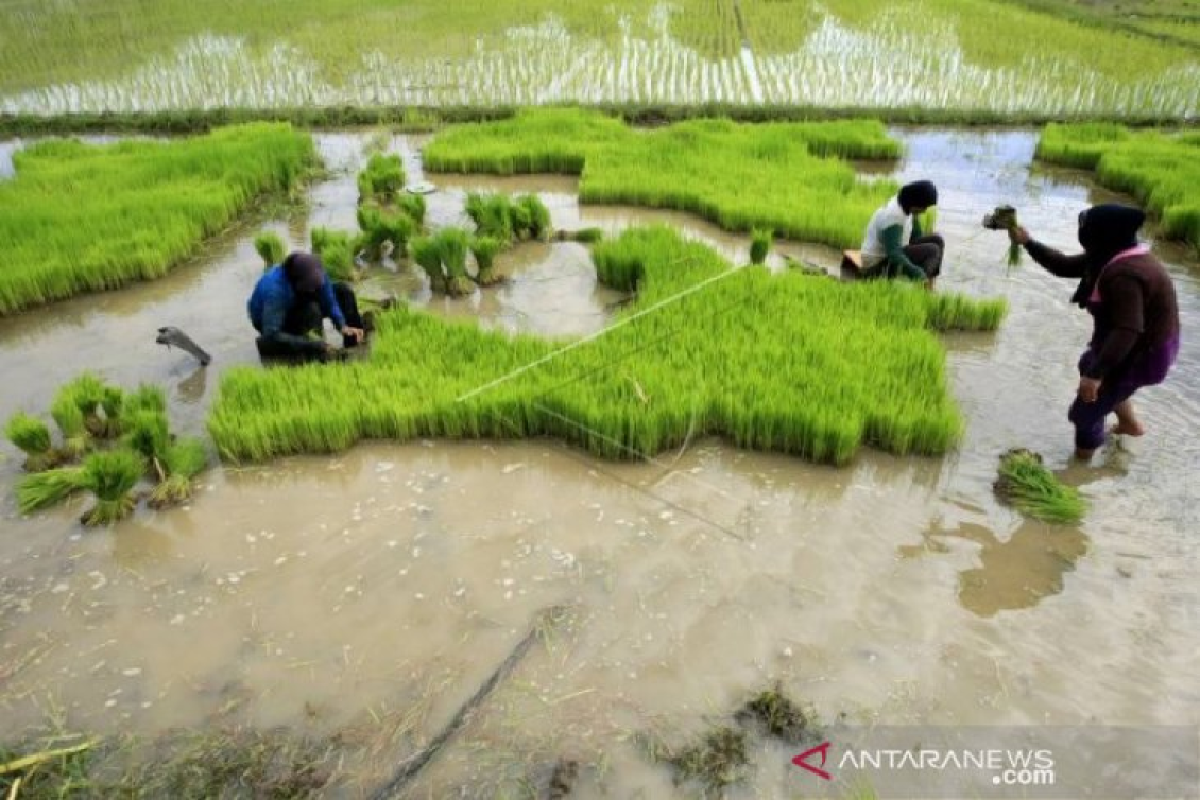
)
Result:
{"points": [[289, 307]]}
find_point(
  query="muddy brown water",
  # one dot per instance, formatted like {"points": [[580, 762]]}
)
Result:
{"points": [[378, 588]]}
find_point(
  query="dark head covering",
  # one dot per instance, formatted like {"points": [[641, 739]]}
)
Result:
{"points": [[919, 194], [304, 272], [1104, 231]]}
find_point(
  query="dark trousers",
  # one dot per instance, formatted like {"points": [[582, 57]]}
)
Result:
{"points": [[305, 319], [925, 252]]}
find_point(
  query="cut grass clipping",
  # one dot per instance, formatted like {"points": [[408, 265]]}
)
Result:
{"points": [[772, 362], [1032, 489], [136, 207], [1162, 170], [785, 176]]}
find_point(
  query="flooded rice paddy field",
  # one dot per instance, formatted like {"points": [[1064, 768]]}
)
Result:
{"points": [[378, 588]]}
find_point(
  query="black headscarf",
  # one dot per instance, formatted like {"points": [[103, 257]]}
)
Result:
{"points": [[1104, 231], [919, 194], [304, 272]]}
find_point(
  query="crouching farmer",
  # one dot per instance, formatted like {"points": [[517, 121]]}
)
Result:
{"points": [[289, 307], [894, 244]]}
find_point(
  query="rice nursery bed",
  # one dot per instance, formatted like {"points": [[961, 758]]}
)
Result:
{"points": [[787, 177], [789, 363], [1160, 169], [81, 217]]}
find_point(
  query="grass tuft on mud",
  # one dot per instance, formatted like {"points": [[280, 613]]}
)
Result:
{"points": [[780, 717], [719, 758]]}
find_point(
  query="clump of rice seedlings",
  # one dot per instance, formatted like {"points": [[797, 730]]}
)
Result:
{"points": [[589, 235], [42, 490], [1025, 483], [381, 228], [336, 250], [270, 248], [492, 215], [147, 397], [453, 244], [927, 221], [533, 215], [485, 250], [780, 717], [87, 391], [111, 476], [427, 252], [71, 424], [114, 400], [760, 245], [147, 433], [138, 207], [32, 436], [412, 205], [382, 179], [182, 461], [1004, 218]]}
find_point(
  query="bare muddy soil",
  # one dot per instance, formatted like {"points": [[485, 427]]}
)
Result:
{"points": [[375, 590]]}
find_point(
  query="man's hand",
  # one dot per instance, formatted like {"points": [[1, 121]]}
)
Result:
{"points": [[1019, 235], [354, 333], [1089, 389]]}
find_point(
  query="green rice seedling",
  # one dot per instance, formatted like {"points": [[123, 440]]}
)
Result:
{"points": [[427, 252], [1160, 169], [414, 206], [71, 424], [775, 362], [147, 397], [42, 490], [535, 218], [382, 179], [182, 462], [87, 391], [589, 235], [720, 170], [147, 433], [760, 245], [114, 399], [138, 207], [381, 228], [453, 245], [1004, 218], [1026, 483], [32, 436], [492, 215], [111, 476], [336, 251], [485, 249], [270, 248]]}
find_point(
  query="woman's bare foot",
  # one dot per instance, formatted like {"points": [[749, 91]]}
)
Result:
{"points": [[1127, 422]]}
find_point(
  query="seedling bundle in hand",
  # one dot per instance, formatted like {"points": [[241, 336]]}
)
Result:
{"points": [[1004, 218], [116, 438]]}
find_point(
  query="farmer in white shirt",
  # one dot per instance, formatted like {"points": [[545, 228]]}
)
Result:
{"points": [[884, 252]]}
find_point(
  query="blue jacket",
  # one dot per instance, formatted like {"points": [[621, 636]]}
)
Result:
{"points": [[273, 297]]}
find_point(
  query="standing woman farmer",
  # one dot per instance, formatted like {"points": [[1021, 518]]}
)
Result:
{"points": [[1135, 336], [884, 252]]}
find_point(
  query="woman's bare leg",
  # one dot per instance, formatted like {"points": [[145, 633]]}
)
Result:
{"points": [[1127, 422]]}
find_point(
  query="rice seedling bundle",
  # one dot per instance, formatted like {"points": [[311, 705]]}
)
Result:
{"points": [[32, 437], [789, 177], [1161, 170], [492, 215], [453, 245], [114, 400], [413, 205], [485, 249], [1026, 483], [182, 462], [772, 362], [87, 391], [336, 250], [760, 245], [534, 217], [146, 397], [42, 490], [136, 207], [382, 179], [111, 476], [379, 226], [147, 433], [1004, 218], [70, 420], [270, 248]]}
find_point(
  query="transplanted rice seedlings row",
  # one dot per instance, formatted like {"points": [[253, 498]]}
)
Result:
{"points": [[120, 437], [774, 362], [1162, 170], [135, 209], [783, 176]]}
